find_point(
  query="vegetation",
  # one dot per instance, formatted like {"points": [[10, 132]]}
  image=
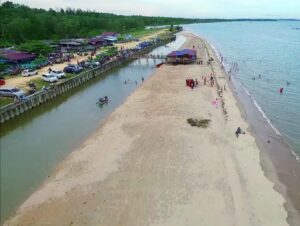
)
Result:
{"points": [[19, 23], [6, 101], [203, 123], [36, 47]]}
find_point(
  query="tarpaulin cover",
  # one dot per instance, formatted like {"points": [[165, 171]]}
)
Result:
{"points": [[181, 53]]}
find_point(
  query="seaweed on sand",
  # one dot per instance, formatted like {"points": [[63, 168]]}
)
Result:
{"points": [[203, 123]]}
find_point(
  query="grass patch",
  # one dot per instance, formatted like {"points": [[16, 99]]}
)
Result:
{"points": [[203, 123], [144, 32], [39, 83], [5, 101]]}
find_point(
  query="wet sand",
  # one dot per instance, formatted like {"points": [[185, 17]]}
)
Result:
{"points": [[147, 166], [277, 159]]}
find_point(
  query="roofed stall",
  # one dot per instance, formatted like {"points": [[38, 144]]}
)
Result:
{"points": [[13, 56], [185, 56]]}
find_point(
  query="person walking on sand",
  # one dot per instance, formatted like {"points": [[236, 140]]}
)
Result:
{"points": [[211, 80], [217, 103]]}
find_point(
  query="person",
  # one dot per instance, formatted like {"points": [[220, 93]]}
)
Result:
{"points": [[45, 88], [281, 90], [205, 81], [49, 70], [238, 132], [211, 80], [103, 99], [142, 79], [192, 84], [288, 83], [224, 88], [217, 103], [135, 82], [259, 76]]}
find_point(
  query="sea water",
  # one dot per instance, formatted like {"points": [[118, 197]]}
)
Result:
{"points": [[267, 55]]}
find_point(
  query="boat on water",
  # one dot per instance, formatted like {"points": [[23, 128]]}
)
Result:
{"points": [[103, 100], [159, 65]]}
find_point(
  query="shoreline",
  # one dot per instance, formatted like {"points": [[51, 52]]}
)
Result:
{"points": [[62, 188], [278, 161]]}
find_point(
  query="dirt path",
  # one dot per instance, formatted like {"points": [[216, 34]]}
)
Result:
{"points": [[20, 81]]}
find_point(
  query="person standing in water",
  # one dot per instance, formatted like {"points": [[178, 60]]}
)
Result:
{"points": [[281, 90]]}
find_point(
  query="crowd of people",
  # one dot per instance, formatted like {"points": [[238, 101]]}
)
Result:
{"points": [[206, 80]]}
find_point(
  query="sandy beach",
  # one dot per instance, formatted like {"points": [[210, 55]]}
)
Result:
{"points": [[145, 165]]}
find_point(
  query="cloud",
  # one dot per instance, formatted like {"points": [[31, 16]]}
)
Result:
{"points": [[181, 8]]}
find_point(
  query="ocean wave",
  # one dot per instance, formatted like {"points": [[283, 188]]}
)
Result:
{"points": [[258, 107]]}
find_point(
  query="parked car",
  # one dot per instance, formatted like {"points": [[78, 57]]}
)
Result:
{"points": [[29, 72], [49, 77], [72, 68], [58, 74], [11, 92]]}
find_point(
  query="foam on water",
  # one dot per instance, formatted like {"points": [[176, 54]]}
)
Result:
{"points": [[272, 50], [227, 67]]}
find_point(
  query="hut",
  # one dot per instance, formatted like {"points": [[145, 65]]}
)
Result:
{"points": [[98, 41], [110, 39], [69, 43], [16, 57], [185, 56], [109, 33]]}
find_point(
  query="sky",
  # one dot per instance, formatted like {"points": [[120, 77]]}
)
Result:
{"points": [[181, 8]]}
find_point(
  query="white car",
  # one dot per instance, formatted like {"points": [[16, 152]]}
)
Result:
{"points": [[58, 74], [29, 72], [11, 92], [49, 77]]}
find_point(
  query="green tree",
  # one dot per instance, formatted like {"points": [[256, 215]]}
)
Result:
{"points": [[36, 47]]}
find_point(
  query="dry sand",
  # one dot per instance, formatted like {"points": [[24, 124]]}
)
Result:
{"points": [[147, 166]]}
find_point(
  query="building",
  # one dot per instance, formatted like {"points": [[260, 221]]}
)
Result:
{"points": [[16, 57], [109, 33], [185, 56], [98, 41], [69, 43]]}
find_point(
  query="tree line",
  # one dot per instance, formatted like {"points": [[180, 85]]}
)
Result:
{"points": [[20, 23]]}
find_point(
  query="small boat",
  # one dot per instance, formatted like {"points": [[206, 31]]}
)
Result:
{"points": [[158, 65], [103, 100]]}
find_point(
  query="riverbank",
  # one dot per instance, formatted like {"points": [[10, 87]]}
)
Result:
{"points": [[22, 82], [159, 170]]}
